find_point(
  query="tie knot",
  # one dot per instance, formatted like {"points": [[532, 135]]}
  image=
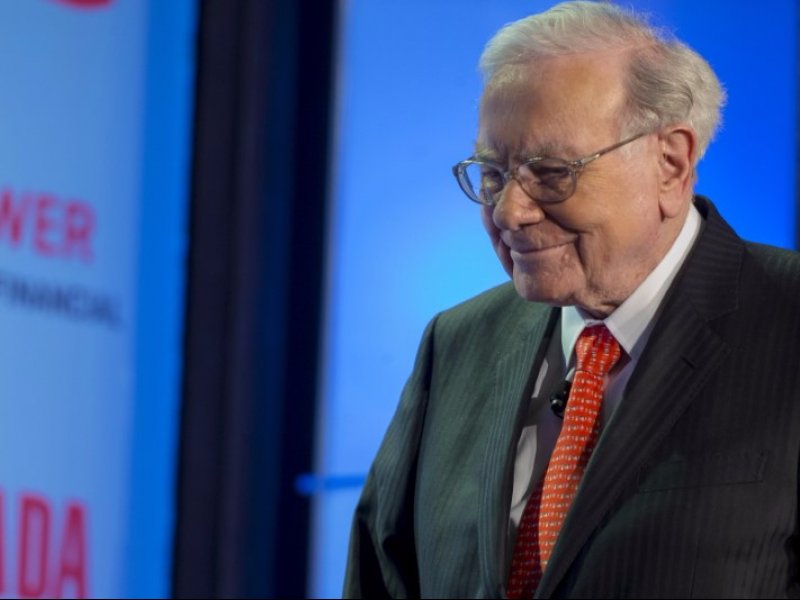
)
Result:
{"points": [[597, 350]]}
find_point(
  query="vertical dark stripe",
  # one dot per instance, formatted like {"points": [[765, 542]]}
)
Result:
{"points": [[316, 23], [195, 571], [258, 222]]}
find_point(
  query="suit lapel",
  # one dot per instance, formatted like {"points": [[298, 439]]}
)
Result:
{"points": [[682, 353], [514, 378]]}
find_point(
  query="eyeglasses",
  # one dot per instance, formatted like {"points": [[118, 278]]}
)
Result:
{"points": [[545, 179]]}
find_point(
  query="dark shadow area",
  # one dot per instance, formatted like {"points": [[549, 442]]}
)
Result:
{"points": [[257, 226]]}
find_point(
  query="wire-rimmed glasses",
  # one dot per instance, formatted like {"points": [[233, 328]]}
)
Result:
{"points": [[545, 179]]}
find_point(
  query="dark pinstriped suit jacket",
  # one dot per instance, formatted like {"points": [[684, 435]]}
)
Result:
{"points": [[692, 490]]}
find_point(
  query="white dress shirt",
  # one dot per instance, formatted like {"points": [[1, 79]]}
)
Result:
{"points": [[631, 324]]}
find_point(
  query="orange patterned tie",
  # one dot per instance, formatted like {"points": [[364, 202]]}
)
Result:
{"points": [[597, 351]]}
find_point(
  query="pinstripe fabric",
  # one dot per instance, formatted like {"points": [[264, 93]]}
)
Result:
{"points": [[691, 491]]}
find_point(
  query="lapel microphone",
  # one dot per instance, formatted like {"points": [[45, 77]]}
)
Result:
{"points": [[558, 399]]}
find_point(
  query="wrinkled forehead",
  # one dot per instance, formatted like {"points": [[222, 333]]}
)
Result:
{"points": [[508, 108], [557, 107]]}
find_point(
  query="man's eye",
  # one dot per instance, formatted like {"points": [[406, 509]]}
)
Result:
{"points": [[549, 172], [491, 180]]}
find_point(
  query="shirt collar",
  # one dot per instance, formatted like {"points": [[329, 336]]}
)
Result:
{"points": [[632, 320]]}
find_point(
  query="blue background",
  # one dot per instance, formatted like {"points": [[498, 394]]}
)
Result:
{"points": [[405, 242], [162, 250]]}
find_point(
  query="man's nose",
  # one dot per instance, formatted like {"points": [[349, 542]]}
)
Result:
{"points": [[515, 208]]}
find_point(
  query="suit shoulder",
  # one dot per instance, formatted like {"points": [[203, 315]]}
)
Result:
{"points": [[780, 266], [494, 309], [775, 255]]}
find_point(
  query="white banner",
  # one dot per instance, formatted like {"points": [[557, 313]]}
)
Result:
{"points": [[72, 122]]}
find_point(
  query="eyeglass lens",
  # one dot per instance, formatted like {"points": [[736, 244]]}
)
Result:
{"points": [[546, 180]]}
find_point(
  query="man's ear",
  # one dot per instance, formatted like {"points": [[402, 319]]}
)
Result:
{"points": [[677, 146]]}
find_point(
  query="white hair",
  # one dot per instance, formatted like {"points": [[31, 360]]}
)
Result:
{"points": [[667, 82]]}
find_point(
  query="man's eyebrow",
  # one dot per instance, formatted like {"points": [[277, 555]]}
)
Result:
{"points": [[538, 150], [549, 150], [488, 156], [488, 153]]}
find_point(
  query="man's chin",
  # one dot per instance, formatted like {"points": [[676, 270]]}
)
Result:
{"points": [[540, 293]]}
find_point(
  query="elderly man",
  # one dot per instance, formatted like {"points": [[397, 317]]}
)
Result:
{"points": [[623, 421]]}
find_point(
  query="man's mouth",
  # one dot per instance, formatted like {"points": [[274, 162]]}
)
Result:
{"points": [[536, 248]]}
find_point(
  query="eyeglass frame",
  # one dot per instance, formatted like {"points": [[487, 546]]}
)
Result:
{"points": [[575, 168]]}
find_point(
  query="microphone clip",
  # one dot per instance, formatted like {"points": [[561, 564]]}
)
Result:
{"points": [[558, 399]]}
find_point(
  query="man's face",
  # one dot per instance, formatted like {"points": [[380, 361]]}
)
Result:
{"points": [[593, 249]]}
